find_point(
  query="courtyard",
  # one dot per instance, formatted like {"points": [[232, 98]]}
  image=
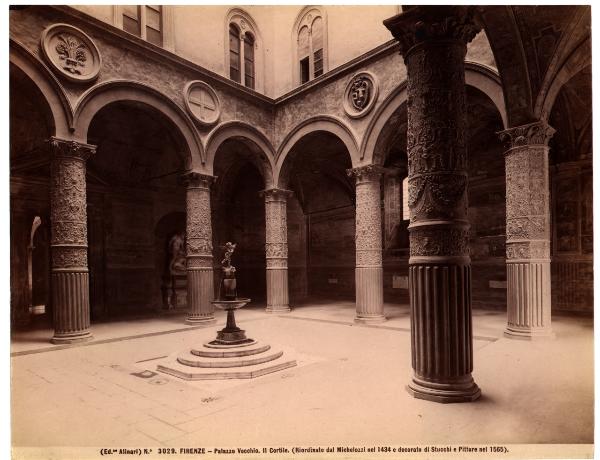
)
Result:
{"points": [[348, 387]]}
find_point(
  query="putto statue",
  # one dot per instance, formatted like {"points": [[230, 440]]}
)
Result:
{"points": [[229, 248], [228, 284]]}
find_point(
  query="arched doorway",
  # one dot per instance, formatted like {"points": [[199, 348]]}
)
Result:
{"points": [[486, 192], [31, 125], [242, 172], [321, 217], [134, 181]]}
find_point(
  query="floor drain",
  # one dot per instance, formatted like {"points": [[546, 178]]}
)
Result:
{"points": [[146, 374]]}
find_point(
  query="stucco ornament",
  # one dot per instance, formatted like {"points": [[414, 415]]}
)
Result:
{"points": [[71, 53], [202, 103], [276, 227], [198, 220], [361, 94]]}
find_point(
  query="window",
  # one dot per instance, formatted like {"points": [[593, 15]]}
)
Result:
{"points": [[234, 53], [304, 72], [244, 55], [249, 61], [310, 44], [144, 21]]}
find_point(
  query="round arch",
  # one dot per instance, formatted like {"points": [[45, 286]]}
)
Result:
{"points": [[328, 124], [246, 133], [503, 34], [46, 82], [578, 60], [476, 75], [93, 100]]}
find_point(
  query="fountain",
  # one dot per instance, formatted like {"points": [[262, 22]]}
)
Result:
{"points": [[231, 355], [231, 335]]}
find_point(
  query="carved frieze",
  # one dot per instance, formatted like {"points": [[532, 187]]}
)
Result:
{"points": [[71, 53], [439, 241], [198, 216], [202, 103], [439, 196], [65, 257], [423, 24], [528, 250], [199, 262], [361, 94]]}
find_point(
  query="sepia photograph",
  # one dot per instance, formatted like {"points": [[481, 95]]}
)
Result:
{"points": [[300, 231]]}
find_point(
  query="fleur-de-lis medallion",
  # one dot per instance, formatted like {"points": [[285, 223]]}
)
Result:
{"points": [[71, 51]]}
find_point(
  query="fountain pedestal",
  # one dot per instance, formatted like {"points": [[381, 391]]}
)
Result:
{"points": [[231, 334]]}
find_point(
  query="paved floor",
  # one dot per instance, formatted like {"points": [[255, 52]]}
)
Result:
{"points": [[347, 388]]}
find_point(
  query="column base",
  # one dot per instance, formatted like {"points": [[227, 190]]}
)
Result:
{"points": [[278, 309], [444, 392], [205, 320], [60, 339], [360, 319], [529, 334]]}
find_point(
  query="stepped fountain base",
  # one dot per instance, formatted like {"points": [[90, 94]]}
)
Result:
{"points": [[231, 355], [245, 361]]}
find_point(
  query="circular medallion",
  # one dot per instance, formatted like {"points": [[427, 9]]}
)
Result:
{"points": [[202, 102], [71, 53], [360, 95]]}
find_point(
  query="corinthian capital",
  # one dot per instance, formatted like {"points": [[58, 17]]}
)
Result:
{"points": [[368, 173], [198, 180], [61, 148], [276, 194], [538, 133], [420, 24]]}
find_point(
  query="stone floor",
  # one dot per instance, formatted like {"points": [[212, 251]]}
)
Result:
{"points": [[348, 386]]}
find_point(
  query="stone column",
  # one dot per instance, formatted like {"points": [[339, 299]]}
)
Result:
{"points": [[276, 250], [200, 281], [68, 216], [433, 42], [369, 268], [528, 231]]}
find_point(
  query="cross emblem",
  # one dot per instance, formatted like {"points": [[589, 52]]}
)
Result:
{"points": [[204, 102]]}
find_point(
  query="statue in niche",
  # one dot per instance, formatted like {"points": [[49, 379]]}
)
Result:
{"points": [[177, 261], [175, 288]]}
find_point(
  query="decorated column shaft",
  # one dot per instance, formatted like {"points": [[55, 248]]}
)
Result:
{"points": [[528, 231], [68, 216], [276, 250], [200, 282], [369, 269], [433, 42]]}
